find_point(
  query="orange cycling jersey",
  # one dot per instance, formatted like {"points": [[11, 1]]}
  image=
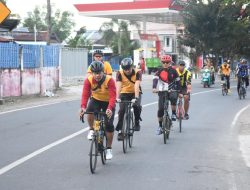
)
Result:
{"points": [[107, 68], [225, 69], [128, 82], [100, 92]]}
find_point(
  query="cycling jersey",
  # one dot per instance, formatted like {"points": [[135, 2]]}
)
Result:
{"points": [[107, 68], [128, 82], [168, 79], [185, 77], [242, 70], [106, 91], [225, 69]]}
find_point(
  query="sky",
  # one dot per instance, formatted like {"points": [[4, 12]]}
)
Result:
{"points": [[21, 7]]}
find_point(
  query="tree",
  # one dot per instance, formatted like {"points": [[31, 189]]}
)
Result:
{"points": [[213, 28], [119, 40], [61, 22], [79, 40]]}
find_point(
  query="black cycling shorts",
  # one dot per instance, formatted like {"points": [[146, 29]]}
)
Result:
{"points": [[95, 106]]}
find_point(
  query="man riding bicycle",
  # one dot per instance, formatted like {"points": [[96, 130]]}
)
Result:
{"points": [[168, 82], [128, 88], [225, 70], [242, 73], [185, 85], [100, 90], [98, 56]]}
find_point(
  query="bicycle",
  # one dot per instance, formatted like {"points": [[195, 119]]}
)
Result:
{"points": [[166, 121], [180, 112], [224, 89], [127, 126], [99, 140], [242, 89]]}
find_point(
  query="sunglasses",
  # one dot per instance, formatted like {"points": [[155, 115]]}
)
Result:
{"points": [[165, 62], [96, 73], [98, 56]]}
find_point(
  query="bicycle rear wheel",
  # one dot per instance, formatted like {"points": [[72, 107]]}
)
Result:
{"points": [[131, 131], [125, 132], [93, 153], [103, 150], [180, 121]]}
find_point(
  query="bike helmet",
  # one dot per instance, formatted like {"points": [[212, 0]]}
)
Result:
{"points": [[181, 62], [126, 63], [98, 51], [96, 67], [166, 58]]}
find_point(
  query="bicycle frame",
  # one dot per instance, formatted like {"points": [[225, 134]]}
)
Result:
{"points": [[166, 119], [128, 125]]}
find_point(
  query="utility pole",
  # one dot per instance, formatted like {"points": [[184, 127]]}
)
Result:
{"points": [[48, 22]]}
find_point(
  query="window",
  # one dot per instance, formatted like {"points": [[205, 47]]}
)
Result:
{"points": [[166, 41]]}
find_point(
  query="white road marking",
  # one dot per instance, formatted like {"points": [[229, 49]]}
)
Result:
{"points": [[41, 105], [245, 148], [37, 152], [243, 139]]}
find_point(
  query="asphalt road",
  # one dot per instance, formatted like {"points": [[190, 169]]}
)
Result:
{"points": [[206, 155]]}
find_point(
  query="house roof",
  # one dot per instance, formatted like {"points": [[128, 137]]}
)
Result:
{"points": [[30, 36], [9, 24]]}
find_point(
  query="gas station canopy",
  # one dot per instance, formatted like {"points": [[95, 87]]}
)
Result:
{"points": [[156, 11]]}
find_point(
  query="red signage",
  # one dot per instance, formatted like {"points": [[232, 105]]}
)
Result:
{"points": [[149, 37]]}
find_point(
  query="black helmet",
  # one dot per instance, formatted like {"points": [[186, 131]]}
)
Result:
{"points": [[98, 51], [96, 67], [181, 62], [126, 63]]}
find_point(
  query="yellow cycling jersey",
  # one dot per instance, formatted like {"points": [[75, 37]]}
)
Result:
{"points": [[128, 86], [107, 68], [101, 93], [225, 69], [185, 77]]}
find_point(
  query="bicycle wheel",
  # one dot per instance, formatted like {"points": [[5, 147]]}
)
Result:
{"points": [[131, 130], [240, 93], [125, 131], [103, 149], [169, 123], [93, 153], [223, 92], [180, 118], [164, 129]]}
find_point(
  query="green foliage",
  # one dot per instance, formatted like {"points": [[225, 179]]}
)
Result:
{"points": [[215, 28], [79, 40], [119, 40], [62, 22]]}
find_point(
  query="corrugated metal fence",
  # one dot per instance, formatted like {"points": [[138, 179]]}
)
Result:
{"points": [[14, 56], [74, 62]]}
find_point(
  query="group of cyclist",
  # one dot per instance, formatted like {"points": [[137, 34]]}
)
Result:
{"points": [[242, 72], [101, 92]]}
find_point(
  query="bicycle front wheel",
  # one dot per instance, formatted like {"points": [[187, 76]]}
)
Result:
{"points": [[180, 121], [93, 153], [125, 132], [131, 131], [103, 149], [165, 130]]}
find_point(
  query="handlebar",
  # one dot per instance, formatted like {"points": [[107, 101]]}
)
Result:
{"points": [[94, 113]]}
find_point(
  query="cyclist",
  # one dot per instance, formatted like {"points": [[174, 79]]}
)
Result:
{"points": [[102, 90], [242, 72], [128, 88], [168, 80], [185, 85], [225, 70], [98, 55]]}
